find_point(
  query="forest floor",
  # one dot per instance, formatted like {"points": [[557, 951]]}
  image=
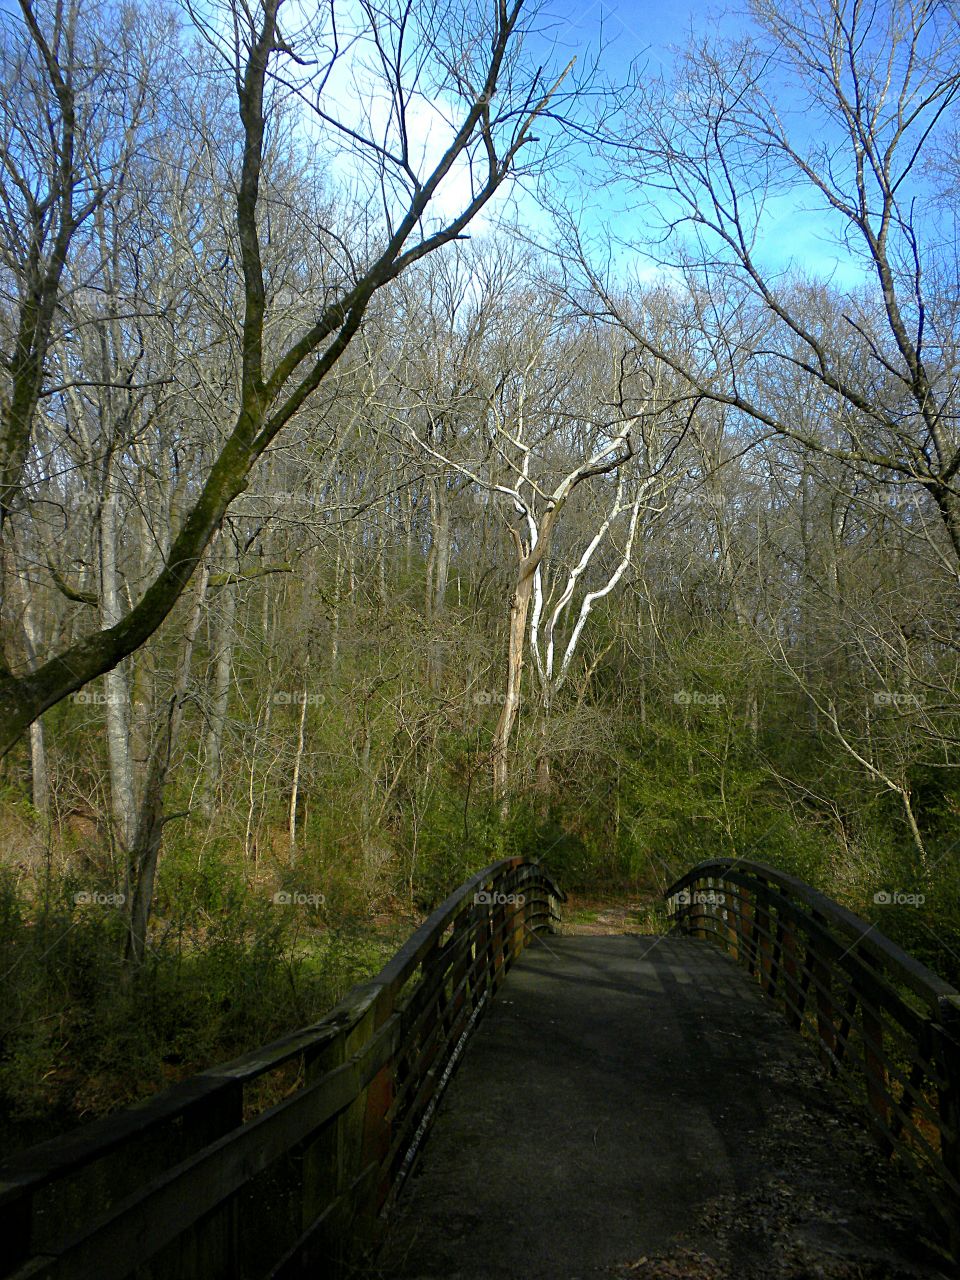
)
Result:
{"points": [[586, 915], [185, 1011]]}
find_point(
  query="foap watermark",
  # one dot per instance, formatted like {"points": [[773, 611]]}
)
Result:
{"points": [[94, 898], [884, 898], [694, 698], [295, 898], [889, 698], [297, 697], [886, 503], [96, 698], [485, 898], [700, 501], [489, 698], [700, 898]]}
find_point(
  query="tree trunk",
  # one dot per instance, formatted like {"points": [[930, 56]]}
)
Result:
{"points": [[295, 785], [544, 779], [220, 699], [39, 774], [437, 579], [145, 855], [914, 829], [519, 607], [335, 619], [117, 708]]}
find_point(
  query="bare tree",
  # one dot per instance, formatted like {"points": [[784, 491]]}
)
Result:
{"points": [[717, 147], [482, 72], [73, 105], [535, 422]]}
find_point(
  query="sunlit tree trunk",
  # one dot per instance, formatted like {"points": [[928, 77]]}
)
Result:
{"points": [[295, 783]]}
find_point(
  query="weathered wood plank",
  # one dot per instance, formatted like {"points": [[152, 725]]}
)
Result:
{"points": [[324, 1156]]}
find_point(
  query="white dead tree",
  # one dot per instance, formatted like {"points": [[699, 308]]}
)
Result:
{"points": [[549, 612], [511, 446], [637, 500]]}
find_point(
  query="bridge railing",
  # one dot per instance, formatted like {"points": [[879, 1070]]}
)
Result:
{"points": [[203, 1181], [882, 1022]]}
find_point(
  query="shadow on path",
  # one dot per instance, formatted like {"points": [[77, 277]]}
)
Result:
{"points": [[634, 1107]]}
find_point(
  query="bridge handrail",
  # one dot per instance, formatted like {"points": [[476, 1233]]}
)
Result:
{"points": [[104, 1199], [847, 986], [914, 974]]}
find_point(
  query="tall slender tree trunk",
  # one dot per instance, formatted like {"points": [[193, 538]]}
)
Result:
{"points": [[39, 773], [437, 579], [145, 855], [220, 698], [295, 783], [544, 774], [116, 686], [519, 608], [335, 619], [914, 829]]}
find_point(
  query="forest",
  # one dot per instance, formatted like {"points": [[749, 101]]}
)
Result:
{"points": [[436, 432]]}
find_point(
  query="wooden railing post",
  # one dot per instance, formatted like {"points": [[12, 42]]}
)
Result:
{"points": [[761, 931], [531, 891], [875, 1067], [949, 1106], [738, 939], [484, 947], [821, 973], [749, 934], [553, 909], [776, 959], [321, 1165], [378, 1129], [497, 922], [727, 917], [515, 910], [458, 972], [794, 996], [696, 909], [335, 1158]]}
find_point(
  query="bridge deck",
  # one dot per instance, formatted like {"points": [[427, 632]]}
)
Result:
{"points": [[632, 1106]]}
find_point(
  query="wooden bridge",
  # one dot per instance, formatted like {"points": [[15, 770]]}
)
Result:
{"points": [[631, 1106]]}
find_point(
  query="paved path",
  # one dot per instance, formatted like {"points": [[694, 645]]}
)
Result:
{"points": [[634, 1107]]}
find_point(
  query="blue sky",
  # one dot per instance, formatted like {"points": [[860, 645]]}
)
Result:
{"points": [[628, 29], [807, 237], [648, 31]]}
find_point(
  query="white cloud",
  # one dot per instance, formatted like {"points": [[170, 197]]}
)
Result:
{"points": [[357, 95]]}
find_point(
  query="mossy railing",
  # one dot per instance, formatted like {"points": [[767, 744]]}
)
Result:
{"points": [[195, 1183], [882, 1022]]}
